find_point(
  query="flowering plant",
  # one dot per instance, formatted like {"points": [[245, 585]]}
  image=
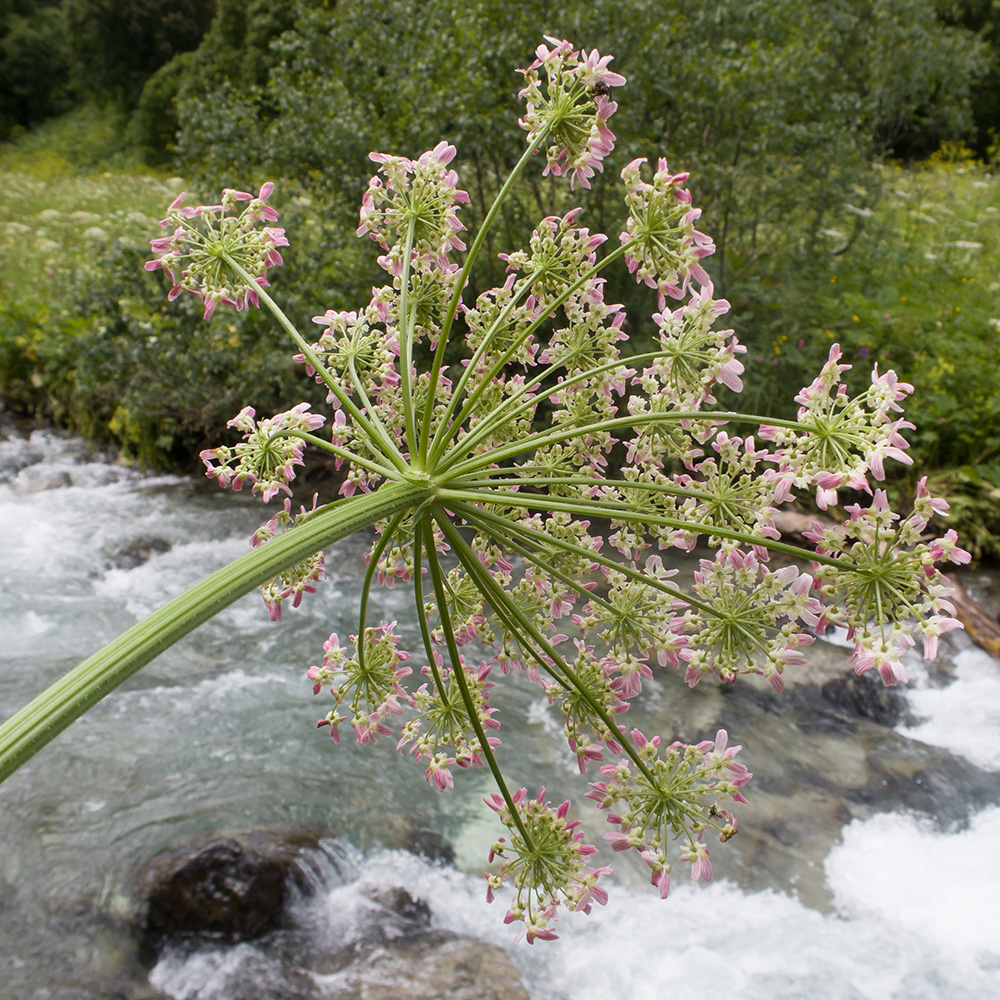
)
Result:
{"points": [[485, 481]]}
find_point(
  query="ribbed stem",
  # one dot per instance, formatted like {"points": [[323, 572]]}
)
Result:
{"points": [[28, 730]]}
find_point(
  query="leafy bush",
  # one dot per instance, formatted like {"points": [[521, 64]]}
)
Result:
{"points": [[118, 44], [918, 291], [87, 340], [784, 103], [154, 124]]}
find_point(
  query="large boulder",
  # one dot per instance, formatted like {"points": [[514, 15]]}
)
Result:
{"points": [[231, 888], [865, 696], [427, 966]]}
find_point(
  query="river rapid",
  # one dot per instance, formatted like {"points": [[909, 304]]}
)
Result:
{"points": [[867, 866]]}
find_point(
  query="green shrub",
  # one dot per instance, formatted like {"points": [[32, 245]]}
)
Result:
{"points": [[917, 291]]}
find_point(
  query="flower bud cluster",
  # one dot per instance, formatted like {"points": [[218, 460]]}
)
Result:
{"points": [[368, 683], [571, 110], [268, 454], [674, 793], [695, 358], [600, 688], [352, 342], [206, 240], [558, 253], [441, 732], [889, 592], [756, 621], [842, 438], [546, 862], [296, 580], [414, 195], [664, 249]]}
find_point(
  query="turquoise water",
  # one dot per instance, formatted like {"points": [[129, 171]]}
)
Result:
{"points": [[866, 865]]}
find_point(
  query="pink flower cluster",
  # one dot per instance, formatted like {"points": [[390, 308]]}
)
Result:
{"points": [[441, 732], [664, 248], [573, 111], [268, 454], [298, 579], [368, 683], [546, 862], [422, 195], [841, 438], [672, 793], [885, 588], [206, 242]]}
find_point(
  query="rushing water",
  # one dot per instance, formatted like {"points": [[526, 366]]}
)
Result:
{"points": [[867, 865]]}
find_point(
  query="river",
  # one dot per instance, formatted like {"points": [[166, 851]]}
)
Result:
{"points": [[867, 866]]}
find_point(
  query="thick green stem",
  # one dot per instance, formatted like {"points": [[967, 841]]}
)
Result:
{"points": [[366, 586], [521, 290], [28, 730], [501, 362], [614, 512], [494, 593], [557, 434], [406, 343], [515, 475]]}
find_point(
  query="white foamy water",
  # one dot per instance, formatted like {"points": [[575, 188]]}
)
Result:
{"points": [[218, 735], [963, 716], [912, 920]]}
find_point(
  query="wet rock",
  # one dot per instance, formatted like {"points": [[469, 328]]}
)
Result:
{"points": [[242, 972], [139, 551], [428, 844], [865, 696], [907, 774], [428, 967], [404, 834], [228, 888], [39, 478], [396, 899]]}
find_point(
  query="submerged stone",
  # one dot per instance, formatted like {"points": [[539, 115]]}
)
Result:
{"points": [[428, 967], [229, 888], [139, 551], [865, 696]]}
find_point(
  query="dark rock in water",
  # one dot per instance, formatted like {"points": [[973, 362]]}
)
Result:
{"points": [[866, 696], [907, 774], [139, 551], [428, 844], [428, 967], [396, 899], [405, 834], [229, 888]]}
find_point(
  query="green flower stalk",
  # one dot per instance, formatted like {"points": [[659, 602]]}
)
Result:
{"points": [[485, 482]]}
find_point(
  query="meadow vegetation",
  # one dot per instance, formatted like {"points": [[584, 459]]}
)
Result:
{"points": [[841, 151]]}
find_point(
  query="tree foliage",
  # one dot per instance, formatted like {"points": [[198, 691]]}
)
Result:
{"points": [[54, 53], [34, 64], [778, 107]]}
